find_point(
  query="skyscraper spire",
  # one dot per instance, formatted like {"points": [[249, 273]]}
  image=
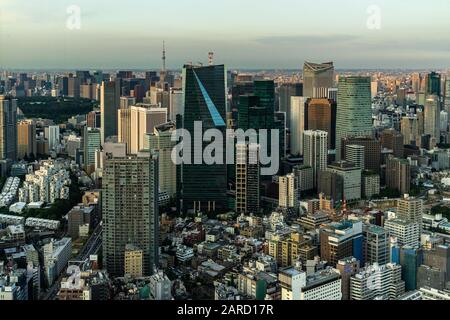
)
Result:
{"points": [[164, 57]]}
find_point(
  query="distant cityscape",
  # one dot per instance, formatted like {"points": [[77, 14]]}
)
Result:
{"points": [[95, 207]]}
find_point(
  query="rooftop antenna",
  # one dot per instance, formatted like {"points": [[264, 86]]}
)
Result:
{"points": [[211, 58]]}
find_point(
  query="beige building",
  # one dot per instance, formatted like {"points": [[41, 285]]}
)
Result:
{"points": [[26, 139], [288, 191], [133, 261]]}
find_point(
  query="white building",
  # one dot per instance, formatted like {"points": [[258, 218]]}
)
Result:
{"points": [[297, 124], [407, 233], [323, 285], [160, 287], [375, 282]]}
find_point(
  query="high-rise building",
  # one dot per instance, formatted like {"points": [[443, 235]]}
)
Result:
{"points": [[93, 119], [130, 211], [290, 250], [176, 104], [406, 232], [355, 154], [447, 93], [340, 240], [297, 124], [109, 104], [202, 186], [347, 268], [247, 178], [432, 112], [285, 92], [124, 127], [288, 191], [8, 128], [52, 135], [26, 139], [411, 209], [393, 140], [133, 261], [435, 271], [331, 185], [377, 282], [91, 143], [354, 110], [143, 119], [160, 141], [376, 245], [305, 177], [320, 114], [317, 79], [398, 174], [410, 259], [433, 84], [412, 128], [351, 177], [315, 151]]}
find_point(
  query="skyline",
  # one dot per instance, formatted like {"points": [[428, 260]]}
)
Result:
{"points": [[132, 39]]}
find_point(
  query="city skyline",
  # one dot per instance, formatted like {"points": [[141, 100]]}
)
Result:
{"points": [[113, 36]]}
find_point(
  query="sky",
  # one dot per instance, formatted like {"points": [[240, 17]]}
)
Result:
{"points": [[266, 34]]}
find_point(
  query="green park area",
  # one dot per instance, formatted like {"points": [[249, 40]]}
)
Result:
{"points": [[56, 109]]}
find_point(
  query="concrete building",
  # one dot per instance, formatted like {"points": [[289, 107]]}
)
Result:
{"points": [[247, 178], [355, 154], [315, 151], [288, 191], [377, 282], [406, 232], [347, 267], [130, 210], [297, 124], [351, 176], [411, 209], [26, 139], [134, 261], [398, 174]]}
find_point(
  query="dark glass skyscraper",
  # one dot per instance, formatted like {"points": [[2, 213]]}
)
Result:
{"points": [[201, 186], [433, 84]]}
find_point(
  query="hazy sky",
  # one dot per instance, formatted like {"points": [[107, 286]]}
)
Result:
{"points": [[242, 33]]}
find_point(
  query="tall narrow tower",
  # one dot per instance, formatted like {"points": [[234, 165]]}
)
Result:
{"points": [[162, 73]]}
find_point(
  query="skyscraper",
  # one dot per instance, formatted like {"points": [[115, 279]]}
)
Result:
{"points": [[411, 209], [317, 79], [432, 116], [92, 142], [320, 114], [398, 174], [8, 128], [297, 124], [160, 142], [130, 211], [354, 109], [393, 140], [288, 191], [26, 139], [109, 104], [143, 120], [315, 151], [433, 84], [285, 92], [247, 178], [376, 245], [355, 154], [202, 186], [52, 135]]}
